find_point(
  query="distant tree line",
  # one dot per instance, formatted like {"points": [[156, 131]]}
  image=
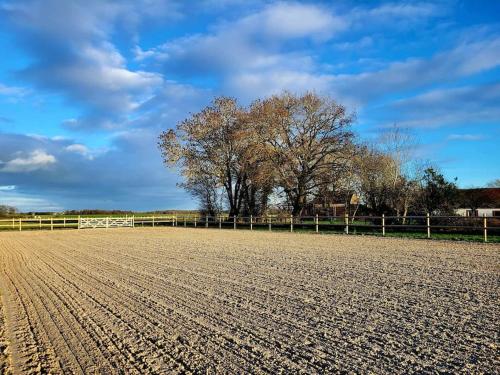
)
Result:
{"points": [[287, 151], [97, 212]]}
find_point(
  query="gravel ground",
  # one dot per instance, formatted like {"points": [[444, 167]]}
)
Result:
{"points": [[176, 300]]}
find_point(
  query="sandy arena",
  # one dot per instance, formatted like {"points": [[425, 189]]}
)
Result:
{"points": [[176, 300]]}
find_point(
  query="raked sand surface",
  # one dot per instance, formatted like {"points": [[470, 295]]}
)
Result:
{"points": [[176, 300]]}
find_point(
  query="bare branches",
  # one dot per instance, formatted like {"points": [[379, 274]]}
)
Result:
{"points": [[306, 136]]}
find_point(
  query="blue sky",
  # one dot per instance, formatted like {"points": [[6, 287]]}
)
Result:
{"points": [[86, 86]]}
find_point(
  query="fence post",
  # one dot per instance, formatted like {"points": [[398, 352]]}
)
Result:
{"points": [[269, 221], [291, 223], [153, 220], [79, 217], [40, 222], [184, 221], [346, 219], [220, 222], [107, 222], [51, 224], [251, 222], [13, 223], [317, 223], [173, 221], [195, 221], [485, 228], [133, 221], [206, 221], [20, 225], [234, 222], [64, 222], [383, 225], [428, 226]]}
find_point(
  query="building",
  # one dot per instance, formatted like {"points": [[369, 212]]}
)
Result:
{"points": [[331, 205], [479, 202]]}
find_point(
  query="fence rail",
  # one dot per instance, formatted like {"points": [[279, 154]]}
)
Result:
{"points": [[424, 226]]}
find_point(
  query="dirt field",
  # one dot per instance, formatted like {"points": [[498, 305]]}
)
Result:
{"points": [[170, 300]]}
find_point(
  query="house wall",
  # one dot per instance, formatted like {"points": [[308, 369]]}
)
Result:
{"points": [[489, 212]]}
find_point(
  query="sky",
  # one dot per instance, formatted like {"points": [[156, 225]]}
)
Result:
{"points": [[87, 86]]}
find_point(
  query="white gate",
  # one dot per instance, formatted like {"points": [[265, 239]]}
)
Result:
{"points": [[105, 222]]}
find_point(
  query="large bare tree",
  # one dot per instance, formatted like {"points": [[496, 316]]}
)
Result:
{"points": [[305, 137], [216, 148]]}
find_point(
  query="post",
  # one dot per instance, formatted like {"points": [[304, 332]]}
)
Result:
{"points": [[251, 222], [206, 221], [195, 220], [173, 221], [291, 223], [107, 222], [40, 222], [153, 221], [64, 222], [317, 223], [269, 221], [485, 228], [428, 226], [79, 217], [184, 221], [20, 225], [220, 222], [383, 225], [346, 219], [133, 221], [13, 223], [51, 224], [234, 222]]}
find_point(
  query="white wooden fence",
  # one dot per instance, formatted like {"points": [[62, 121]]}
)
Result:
{"points": [[80, 222], [105, 222], [458, 226]]}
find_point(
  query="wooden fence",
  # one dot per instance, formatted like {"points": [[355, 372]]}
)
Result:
{"points": [[416, 226], [426, 226]]}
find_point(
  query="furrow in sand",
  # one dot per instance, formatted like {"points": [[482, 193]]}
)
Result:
{"points": [[179, 301], [162, 318], [181, 297], [5, 355], [33, 350]]}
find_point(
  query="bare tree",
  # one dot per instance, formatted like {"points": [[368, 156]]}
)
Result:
{"points": [[494, 183], [216, 148], [375, 170], [403, 169], [205, 188], [305, 137], [7, 210]]}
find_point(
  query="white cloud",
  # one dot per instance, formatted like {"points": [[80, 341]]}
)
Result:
{"points": [[250, 42], [27, 202], [465, 137], [72, 53], [407, 10], [37, 159], [12, 90], [457, 106], [80, 149], [258, 84], [7, 187], [293, 20], [13, 93]]}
